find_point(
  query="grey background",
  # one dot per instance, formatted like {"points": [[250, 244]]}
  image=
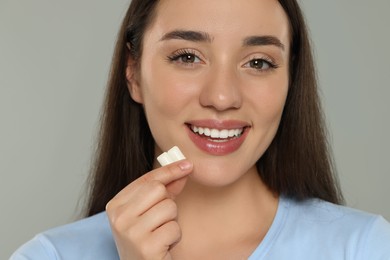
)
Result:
{"points": [[54, 62]]}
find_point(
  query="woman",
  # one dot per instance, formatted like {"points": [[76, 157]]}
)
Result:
{"points": [[232, 84]]}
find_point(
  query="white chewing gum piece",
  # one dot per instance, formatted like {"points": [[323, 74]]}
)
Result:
{"points": [[176, 154], [164, 159]]}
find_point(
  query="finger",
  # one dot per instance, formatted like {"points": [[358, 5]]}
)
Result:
{"points": [[158, 215], [168, 173], [165, 175], [175, 188], [123, 212], [166, 235], [147, 197]]}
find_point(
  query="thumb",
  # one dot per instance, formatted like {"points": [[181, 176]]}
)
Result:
{"points": [[175, 188]]}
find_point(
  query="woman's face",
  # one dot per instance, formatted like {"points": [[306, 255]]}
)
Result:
{"points": [[213, 80]]}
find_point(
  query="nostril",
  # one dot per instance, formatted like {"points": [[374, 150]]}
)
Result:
{"points": [[221, 101], [221, 90]]}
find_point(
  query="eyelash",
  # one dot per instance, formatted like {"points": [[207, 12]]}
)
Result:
{"points": [[272, 65], [182, 53]]}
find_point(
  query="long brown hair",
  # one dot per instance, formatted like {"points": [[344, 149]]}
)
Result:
{"points": [[297, 163]]}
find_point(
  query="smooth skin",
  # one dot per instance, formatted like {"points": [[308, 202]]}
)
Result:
{"points": [[145, 227], [218, 208]]}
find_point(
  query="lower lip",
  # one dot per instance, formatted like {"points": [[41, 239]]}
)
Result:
{"points": [[218, 148]]}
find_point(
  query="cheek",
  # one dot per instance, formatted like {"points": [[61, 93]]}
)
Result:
{"points": [[168, 100], [268, 99], [166, 93]]}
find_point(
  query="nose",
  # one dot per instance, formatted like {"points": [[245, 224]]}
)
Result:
{"points": [[221, 90]]}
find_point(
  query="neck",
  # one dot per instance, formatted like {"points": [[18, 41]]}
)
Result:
{"points": [[242, 211]]}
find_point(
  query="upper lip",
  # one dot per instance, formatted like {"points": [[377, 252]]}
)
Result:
{"points": [[218, 124]]}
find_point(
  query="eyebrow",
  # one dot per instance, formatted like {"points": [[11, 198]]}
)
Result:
{"points": [[194, 36], [199, 36], [263, 40]]}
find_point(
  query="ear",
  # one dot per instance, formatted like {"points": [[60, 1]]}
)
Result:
{"points": [[132, 82]]}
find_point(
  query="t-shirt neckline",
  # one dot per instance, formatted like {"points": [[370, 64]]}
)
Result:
{"points": [[274, 231]]}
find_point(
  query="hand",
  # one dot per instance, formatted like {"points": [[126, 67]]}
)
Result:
{"points": [[143, 215]]}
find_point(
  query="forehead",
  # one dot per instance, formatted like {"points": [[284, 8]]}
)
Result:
{"points": [[222, 19]]}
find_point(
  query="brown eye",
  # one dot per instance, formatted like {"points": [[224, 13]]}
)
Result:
{"points": [[188, 58], [185, 57], [259, 64]]}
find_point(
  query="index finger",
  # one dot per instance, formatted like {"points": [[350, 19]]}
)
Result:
{"points": [[168, 173], [165, 175]]}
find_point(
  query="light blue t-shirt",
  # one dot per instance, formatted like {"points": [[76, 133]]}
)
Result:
{"points": [[311, 229]]}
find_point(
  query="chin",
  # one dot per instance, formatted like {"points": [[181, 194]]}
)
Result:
{"points": [[215, 175]]}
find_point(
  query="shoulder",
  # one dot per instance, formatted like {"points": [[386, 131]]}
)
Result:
{"points": [[354, 233], [323, 212], [89, 238], [319, 211]]}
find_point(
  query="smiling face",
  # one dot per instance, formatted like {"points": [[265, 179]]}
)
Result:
{"points": [[213, 80]]}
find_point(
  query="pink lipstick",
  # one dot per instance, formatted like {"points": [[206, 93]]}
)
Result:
{"points": [[218, 137]]}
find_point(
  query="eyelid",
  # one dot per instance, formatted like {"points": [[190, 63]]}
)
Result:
{"points": [[185, 51], [261, 56]]}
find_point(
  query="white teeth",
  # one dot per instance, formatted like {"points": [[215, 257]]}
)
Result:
{"points": [[224, 133], [215, 133]]}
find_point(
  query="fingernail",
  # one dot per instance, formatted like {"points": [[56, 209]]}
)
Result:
{"points": [[185, 165]]}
